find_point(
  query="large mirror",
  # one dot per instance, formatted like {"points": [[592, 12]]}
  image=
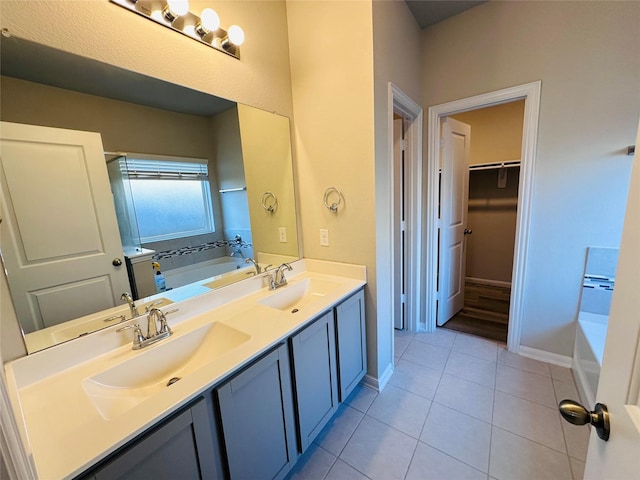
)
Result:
{"points": [[243, 182]]}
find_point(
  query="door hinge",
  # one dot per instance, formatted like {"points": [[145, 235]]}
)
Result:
{"points": [[403, 144]]}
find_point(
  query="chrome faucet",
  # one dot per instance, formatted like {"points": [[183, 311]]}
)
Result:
{"points": [[132, 306], [157, 329], [255, 265], [238, 252], [278, 279]]}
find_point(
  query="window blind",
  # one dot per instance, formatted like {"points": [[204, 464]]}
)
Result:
{"points": [[163, 170]]}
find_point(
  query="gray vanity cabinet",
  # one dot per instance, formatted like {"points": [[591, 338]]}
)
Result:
{"points": [[183, 447], [315, 377], [352, 348], [257, 419]]}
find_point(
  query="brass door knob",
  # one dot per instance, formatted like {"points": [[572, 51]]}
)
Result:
{"points": [[576, 414]]}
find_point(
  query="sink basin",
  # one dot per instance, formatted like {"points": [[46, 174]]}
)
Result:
{"points": [[120, 388], [297, 295]]}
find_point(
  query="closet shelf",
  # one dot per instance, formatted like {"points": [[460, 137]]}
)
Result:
{"points": [[494, 165], [493, 202]]}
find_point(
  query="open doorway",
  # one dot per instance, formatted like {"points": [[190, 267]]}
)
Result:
{"points": [[530, 93], [482, 149]]}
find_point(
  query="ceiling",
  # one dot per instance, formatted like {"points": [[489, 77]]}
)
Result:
{"points": [[428, 12]]}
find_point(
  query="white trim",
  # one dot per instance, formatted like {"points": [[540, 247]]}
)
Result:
{"points": [[544, 356], [402, 104], [486, 281], [530, 92], [379, 383]]}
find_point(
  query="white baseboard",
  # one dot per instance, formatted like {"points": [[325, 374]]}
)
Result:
{"points": [[587, 397], [379, 383], [485, 281], [544, 356]]}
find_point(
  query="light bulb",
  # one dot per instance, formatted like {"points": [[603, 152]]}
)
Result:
{"points": [[175, 9], [236, 35], [209, 20]]}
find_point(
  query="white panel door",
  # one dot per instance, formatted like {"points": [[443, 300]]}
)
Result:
{"points": [[58, 248], [456, 138], [619, 386]]}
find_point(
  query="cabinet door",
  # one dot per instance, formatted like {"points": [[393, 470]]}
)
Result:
{"points": [[257, 419], [315, 377], [183, 447], [352, 349]]}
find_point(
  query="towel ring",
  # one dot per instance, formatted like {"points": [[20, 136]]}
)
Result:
{"points": [[269, 202], [334, 206]]}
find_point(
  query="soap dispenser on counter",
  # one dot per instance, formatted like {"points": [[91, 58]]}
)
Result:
{"points": [[161, 284]]}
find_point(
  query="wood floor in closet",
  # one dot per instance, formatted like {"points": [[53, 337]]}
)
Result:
{"points": [[485, 312]]}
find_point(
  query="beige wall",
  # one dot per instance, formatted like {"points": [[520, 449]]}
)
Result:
{"points": [[266, 152], [124, 127], [396, 46], [586, 55], [496, 132], [332, 86]]}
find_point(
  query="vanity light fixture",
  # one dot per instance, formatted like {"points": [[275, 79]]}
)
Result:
{"points": [[175, 14]]}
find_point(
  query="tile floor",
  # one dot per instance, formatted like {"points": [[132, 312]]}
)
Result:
{"points": [[457, 407]]}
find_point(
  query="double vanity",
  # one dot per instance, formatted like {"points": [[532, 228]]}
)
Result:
{"points": [[247, 379]]}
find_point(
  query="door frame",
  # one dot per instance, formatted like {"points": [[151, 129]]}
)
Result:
{"points": [[530, 92], [412, 113]]}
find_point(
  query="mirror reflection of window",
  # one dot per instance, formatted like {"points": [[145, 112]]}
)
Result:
{"points": [[171, 199]]}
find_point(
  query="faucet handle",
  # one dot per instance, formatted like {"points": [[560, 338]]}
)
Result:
{"points": [[138, 337], [151, 305], [161, 316]]}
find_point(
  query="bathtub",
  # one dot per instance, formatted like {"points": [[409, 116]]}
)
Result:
{"points": [[587, 353], [198, 272]]}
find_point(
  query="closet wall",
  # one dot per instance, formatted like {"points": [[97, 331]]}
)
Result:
{"points": [[496, 136]]}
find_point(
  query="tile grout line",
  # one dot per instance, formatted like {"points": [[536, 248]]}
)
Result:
{"points": [[493, 414]]}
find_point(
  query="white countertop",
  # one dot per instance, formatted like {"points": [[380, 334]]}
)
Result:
{"points": [[65, 432]]}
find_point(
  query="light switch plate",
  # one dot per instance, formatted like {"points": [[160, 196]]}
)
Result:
{"points": [[282, 234], [324, 237]]}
